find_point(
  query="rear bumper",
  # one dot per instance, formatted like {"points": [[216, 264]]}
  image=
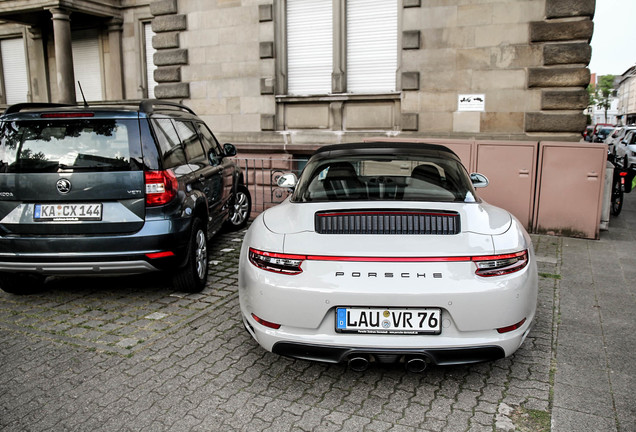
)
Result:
{"points": [[79, 268], [440, 356], [101, 254]]}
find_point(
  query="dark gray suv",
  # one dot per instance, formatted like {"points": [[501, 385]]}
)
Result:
{"points": [[112, 190]]}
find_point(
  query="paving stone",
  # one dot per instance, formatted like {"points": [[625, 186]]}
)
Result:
{"points": [[131, 353]]}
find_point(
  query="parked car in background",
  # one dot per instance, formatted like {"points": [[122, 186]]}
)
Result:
{"points": [[587, 135], [625, 150], [601, 134], [616, 137], [112, 190], [384, 252]]}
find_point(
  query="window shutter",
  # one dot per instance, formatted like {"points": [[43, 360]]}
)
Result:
{"points": [[372, 27], [150, 64], [87, 65], [309, 46], [14, 70]]}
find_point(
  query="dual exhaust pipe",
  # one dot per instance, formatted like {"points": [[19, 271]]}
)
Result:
{"points": [[413, 363]]}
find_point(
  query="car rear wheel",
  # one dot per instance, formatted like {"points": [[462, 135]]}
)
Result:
{"points": [[193, 276], [21, 284], [617, 197], [240, 209]]}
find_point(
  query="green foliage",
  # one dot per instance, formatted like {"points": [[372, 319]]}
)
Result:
{"points": [[601, 95]]}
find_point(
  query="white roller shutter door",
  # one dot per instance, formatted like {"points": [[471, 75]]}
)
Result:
{"points": [[309, 46], [150, 64], [14, 70], [87, 66], [372, 29]]}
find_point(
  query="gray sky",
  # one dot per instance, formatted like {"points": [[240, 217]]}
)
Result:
{"points": [[614, 39]]}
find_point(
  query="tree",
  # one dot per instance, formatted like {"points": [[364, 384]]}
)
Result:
{"points": [[603, 93]]}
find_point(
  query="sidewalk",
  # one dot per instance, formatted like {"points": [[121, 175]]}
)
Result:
{"points": [[595, 380]]}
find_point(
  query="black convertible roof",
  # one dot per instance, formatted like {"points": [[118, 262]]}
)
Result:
{"points": [[385, 148]]}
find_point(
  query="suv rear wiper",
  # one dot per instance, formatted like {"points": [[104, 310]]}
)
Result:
{"points": [[95, 166]]}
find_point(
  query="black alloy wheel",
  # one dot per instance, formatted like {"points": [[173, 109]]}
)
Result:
{"points": [[240, 209], [193, 277]]}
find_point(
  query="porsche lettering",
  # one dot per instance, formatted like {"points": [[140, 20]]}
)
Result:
{"points": [[389, 275]]}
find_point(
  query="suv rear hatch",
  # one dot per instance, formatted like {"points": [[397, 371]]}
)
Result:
{"points": [[71, 173]]}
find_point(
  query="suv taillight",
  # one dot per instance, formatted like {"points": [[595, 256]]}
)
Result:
{"points": [[161, 187]]}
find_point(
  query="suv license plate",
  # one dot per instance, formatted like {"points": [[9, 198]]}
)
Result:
{"points": [[389, 320], [67, 212]]}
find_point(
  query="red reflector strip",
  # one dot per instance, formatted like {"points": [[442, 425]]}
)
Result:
{"points": [[512, 327], [66, 115], [261, 321], [164, 254], [386, 259]]}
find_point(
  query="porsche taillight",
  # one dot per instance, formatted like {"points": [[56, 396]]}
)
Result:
{"points": [[499, 265], [277, 262], [161, 187]]}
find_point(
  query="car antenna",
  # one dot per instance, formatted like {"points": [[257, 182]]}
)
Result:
{"points": [[82, 92]]}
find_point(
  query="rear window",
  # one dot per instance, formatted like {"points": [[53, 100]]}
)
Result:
{"points": [[51, 145], [384, 178]]}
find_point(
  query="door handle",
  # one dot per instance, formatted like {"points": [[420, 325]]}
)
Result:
{"points": [[524, 173]]}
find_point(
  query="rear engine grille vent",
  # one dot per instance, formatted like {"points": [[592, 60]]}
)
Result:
{"points": [[388, 222]]}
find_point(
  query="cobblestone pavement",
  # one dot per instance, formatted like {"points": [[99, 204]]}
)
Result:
{"points": [[133, 354]]}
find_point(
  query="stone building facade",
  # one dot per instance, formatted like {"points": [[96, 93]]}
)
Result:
{"points": [[626, 95], [493, 69]]}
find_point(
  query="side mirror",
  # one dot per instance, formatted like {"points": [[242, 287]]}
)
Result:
{"points": [[229, 149], [479, 180], [287, 181]]}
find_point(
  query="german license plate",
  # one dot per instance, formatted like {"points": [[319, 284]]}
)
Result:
{"points": [[388, 320], [67, 212]]}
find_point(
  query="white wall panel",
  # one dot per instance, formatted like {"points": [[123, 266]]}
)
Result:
{"points": [[14, 70]]}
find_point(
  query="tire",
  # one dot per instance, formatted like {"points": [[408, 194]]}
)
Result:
{"points": [[617, 198], [21, 283], [240, 209], [193, 276]]}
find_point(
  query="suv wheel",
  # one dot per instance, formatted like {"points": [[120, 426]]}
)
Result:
{"points": [[21, 284], [240, 209], [193, 276]]}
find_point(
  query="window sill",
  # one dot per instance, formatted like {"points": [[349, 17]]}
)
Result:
{"points": [[339, 97]]}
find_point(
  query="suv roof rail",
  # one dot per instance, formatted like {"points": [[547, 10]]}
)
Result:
{"points": [[33, 105], [147, 105]]}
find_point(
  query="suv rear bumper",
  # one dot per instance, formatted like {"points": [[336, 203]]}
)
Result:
{"points": [[90, 255], [79, 268]]}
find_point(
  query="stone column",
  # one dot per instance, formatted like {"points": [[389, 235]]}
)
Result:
{"points": [[114, 75], [63, 55]]}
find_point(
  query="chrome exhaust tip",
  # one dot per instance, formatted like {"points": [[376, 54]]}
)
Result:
{"points": [[415, 364], [358, 363]]}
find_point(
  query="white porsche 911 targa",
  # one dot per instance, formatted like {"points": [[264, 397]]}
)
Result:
{"points": [[384, 252]]}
